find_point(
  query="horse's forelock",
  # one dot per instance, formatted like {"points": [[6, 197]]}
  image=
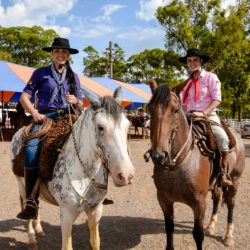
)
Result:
{"points": [[112, 108], [161, 96]]}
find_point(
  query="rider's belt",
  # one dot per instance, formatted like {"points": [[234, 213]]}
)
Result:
{"points": [[60, 112]]}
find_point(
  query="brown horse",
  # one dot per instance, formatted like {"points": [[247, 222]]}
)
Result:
{"points": [[19, 119], [181, 173], [138, 122]]}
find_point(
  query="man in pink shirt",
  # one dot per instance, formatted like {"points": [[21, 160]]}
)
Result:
{"points": [[202, 95]]}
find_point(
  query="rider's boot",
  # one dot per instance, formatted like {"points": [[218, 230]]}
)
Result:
{"points": [[30, 207], [226, 180]]}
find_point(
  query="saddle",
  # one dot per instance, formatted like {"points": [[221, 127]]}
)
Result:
{"points": [[50, 148], [205, 140], [204, 136]]}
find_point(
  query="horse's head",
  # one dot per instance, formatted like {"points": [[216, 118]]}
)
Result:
{"points": [[164, 107], [111, 127]]}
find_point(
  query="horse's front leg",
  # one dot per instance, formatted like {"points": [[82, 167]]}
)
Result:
{"points": [[168, 211], [67, 217], [214, 218], [94, 216], [199, 212]]}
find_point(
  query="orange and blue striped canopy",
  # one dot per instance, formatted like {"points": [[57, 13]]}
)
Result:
{"points": [[14, 77]]}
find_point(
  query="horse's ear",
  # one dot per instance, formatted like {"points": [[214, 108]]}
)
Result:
{"points": [[153, 85], [94, 101], [118, 95]]}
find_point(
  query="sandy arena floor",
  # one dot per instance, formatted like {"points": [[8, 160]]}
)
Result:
{"points": [[134, 221]]}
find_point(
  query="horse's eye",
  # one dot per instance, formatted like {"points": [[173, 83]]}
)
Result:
{"points": [[100, 130]]}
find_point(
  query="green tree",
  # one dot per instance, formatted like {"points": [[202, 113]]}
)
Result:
{"points": [[98, 65], [5, 56], [94, 64], [230, 46], [156, 63], [25, 44], [119, 62], [224, 35]]}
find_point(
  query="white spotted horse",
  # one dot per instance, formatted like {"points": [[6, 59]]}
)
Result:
{"points": [[96, 147]]}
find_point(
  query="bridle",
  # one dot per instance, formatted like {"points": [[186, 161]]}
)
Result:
{"points": [[169, 161], [99, 151]]}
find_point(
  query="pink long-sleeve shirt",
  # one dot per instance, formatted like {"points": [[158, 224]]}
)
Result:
{"points": [[209, 90]]}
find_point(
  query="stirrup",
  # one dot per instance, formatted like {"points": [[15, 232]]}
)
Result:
{"points": [[30, 210]]}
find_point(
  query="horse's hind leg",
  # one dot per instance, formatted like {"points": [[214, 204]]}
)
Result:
{"points": [[32, 243], [199, 213], [94, 216], [229, 196], [216, 199], [38, 227], [34, 228]]}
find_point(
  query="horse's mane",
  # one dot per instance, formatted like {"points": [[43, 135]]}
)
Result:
{"points": [[161, 96], [111, 107]]}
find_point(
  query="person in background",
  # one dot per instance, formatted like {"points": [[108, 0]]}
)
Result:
{"points": [[4, 117], [56, 87], [202, 95]]}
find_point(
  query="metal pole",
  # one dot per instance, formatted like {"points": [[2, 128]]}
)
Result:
{"points": [[2, 106], [111, 59]]}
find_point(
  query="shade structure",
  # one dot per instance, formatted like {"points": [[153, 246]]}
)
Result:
{"points": [[13, 80], [14, 77], [132, 97]]}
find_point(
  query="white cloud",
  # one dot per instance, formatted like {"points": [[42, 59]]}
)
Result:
{"points": [[148, 9], [107, 11], [111, 8], [61, 31], [93, 30], [30, 12], [95, 27], [140, 34], [141, 39]]}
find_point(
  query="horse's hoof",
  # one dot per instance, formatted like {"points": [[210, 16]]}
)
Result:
{"points": [[210, 230], [32, 246], [108, 201], [228, 241], [40, 233]]}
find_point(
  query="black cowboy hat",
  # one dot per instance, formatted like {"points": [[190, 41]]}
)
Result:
{"points": [[193, 52], [61, 43]]}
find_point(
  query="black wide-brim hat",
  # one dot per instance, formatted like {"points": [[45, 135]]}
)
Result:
{"points": [[194, 52], [61, 43]]}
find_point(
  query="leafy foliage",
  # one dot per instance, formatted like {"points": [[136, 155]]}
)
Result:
{"points": [[99, 65], [25, 44], [156, 63], [222, 34]]}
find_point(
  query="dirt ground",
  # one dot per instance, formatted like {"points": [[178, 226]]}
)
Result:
{"points": [[134, 221]]}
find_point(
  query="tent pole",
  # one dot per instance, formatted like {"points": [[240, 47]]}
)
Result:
{"points": [[2, 105]]}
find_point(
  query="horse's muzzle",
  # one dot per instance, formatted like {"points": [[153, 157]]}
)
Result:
{"points": [[158, 157]]}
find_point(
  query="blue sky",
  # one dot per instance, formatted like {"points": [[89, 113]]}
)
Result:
{"points": [[130, 23]]}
